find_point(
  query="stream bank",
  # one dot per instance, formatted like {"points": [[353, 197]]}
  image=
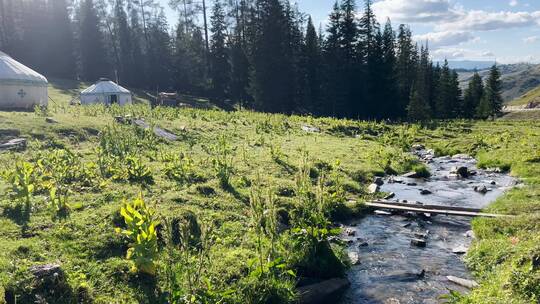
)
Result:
{"points": [[406, 258]]}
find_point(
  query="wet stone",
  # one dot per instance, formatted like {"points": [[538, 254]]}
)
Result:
{"points": [[425, 192], [418, 242], [373, 188], [378, 181]]}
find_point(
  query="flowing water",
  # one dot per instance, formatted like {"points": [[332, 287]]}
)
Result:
{"points": [[390, 269]]}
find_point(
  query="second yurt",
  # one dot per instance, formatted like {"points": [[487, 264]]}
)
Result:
{"points": [[106, 92], [20, 86]]}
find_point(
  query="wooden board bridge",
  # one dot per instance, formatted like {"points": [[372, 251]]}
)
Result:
{"points": [[431, 209]]}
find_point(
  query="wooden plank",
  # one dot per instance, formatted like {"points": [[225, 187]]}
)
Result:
{"points": [[157, 131], [436, 207], [415, 208]]}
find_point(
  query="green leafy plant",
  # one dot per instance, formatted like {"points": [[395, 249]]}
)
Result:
{"points": [[22, 180], [223, 161], [182, 170], [59, 203], [137, 171], [141, 231]]}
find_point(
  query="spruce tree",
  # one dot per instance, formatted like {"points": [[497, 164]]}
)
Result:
{"points": [[219, 57], [491, 102], [312, 54], [406, 68], [389, 85], [334, 88], [444, 93], [61, 54], [123, 34], [349, 73], [93, 55], [418, 108], [271, 66], [473, 95]]}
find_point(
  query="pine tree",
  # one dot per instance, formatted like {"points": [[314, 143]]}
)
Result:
{"points": [[123, 34], [93, 56], [334, 88], [406, 68], [349, 72], [371, 53], [312, 66], [443, 102], [491, 102], [61, 54], [473, 95], [271, 66], [219, 57], [418, 109], [389, 82]]}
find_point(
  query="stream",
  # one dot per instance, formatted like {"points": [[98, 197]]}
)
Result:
{"points": [[392, 270]]}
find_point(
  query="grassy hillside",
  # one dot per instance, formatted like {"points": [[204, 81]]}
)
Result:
{"points": [[531, 96], [243, 202], [517, 79]]}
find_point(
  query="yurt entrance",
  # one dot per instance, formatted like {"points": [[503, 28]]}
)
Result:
{"points": [[113, 99]]}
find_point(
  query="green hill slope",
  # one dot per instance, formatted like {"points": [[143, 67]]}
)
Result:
{"points": [[531, 96]]}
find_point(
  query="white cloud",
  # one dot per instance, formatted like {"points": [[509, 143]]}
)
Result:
{"points": [[449, 38], [461, 53], [415, 11], [449, 16], [477, 20], [513, 3], [531, 39]]}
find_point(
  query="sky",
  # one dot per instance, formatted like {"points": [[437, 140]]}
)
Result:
{"points": [[506, 31]]}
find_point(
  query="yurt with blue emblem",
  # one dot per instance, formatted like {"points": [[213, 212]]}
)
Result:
{"points": [[20, 86]]}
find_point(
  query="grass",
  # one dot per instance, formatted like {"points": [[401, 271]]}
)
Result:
{"points": [[233, 181], [531, 96]]}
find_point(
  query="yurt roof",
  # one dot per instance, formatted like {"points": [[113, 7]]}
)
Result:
{"points": [[14, 72], [105, 86]]}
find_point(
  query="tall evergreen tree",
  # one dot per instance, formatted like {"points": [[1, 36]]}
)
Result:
{"points": [[418, 108], [312, 66], [93, 55], [334, 88], [473, 95], [491, 102], [349, 72], [219, 57], [61, 53], [271, 66], [443, 104], [406, 68], [390, 89], [123, 34]]}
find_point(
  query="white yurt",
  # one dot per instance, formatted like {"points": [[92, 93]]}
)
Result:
{"points": [[106, 92], [20, 86]]}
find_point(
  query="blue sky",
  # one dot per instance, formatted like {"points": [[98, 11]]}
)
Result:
{"points": [[504, 30]]}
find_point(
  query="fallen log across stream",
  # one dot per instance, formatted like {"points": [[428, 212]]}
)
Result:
{"points": [[431, 209]]}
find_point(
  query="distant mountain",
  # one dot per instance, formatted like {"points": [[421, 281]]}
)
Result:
{"points": [[467, 65], [518, 79]]}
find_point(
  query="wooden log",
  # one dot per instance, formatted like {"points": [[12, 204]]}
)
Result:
{"points": [[434, 207], [439, 210]]}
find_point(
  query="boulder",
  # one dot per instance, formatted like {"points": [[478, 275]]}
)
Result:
{"points": [[378, 181], [462, 282], [350, 232], [481, 189], [425, 192], [492, 182], [461, 249], [418, 242], [322, 292], [390, 195], [354, 257], [17, 144], [460, 171], [412, 174], [418, 147], [412, 184], [469, 234], [310, 129], [373, 188]]}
